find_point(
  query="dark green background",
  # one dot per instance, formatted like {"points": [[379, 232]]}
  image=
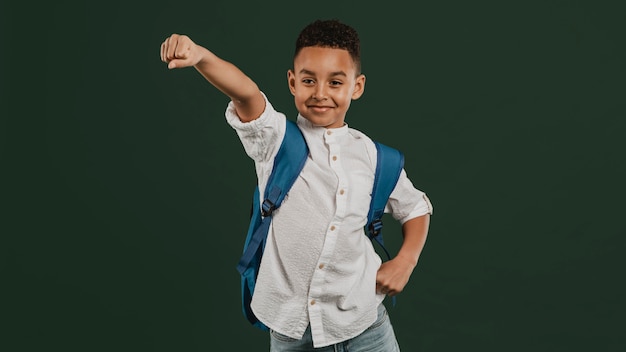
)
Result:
{"points": [[126, 195]]}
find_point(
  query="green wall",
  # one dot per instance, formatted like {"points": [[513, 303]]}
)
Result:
{"points": [[126, 195]]}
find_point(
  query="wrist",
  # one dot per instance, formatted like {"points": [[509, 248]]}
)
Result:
{"points": [[409, 260]]}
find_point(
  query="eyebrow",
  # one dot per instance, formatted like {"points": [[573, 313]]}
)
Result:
{"points": [[332, 74]]}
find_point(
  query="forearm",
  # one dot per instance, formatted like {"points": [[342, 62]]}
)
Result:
{"points": [[414, 232], [180, 51], [231, 81], [394, 274]]}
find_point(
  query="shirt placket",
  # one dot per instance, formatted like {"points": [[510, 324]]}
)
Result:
{"points": [[316, 290]]}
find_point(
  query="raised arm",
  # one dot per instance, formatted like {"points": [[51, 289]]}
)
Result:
{"points": [[180, 51]]}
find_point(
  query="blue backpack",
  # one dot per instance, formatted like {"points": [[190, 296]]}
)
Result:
{"points": [[288, 163]]}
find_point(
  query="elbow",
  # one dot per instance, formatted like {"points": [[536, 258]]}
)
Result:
{"points": [[250, 108]]}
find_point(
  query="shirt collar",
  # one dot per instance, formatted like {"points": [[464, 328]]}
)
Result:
{"points": [[318, 131]]}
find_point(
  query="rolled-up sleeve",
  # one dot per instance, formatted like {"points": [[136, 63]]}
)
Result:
{"points": [[407, 202], [261, 137]]}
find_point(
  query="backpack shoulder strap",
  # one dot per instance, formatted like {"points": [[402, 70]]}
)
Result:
{"points": [[389, 165], [288, 163]]}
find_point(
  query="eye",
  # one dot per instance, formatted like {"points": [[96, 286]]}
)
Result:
{"points": [[336, 83], [307, 81]]}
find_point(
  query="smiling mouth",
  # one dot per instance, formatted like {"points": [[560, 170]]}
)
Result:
{"points": [[320, 108]]}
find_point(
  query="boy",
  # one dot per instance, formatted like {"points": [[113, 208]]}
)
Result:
{"points": [[321, 284]]}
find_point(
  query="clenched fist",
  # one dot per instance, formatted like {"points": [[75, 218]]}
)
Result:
{"points": [[180, 51]]}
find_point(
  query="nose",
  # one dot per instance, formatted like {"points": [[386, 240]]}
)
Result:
{"points": [[319, 93]]}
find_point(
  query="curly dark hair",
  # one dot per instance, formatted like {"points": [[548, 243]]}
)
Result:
{"points": [[331, 34]]}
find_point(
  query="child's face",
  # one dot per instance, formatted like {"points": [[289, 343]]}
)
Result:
{"points": [[324, 82]]}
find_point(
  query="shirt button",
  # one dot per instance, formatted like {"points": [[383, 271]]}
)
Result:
{"points": [[312, 302], [334, 157], [342, 192], [332, 228], [321, 266], [329, 132]]}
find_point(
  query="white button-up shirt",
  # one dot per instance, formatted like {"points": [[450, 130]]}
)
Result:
{"points": [[319, 267]]}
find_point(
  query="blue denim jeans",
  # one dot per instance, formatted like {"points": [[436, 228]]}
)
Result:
{"points": [[379, 337]]}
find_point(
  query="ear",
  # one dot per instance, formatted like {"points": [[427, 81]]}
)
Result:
{"points": [[291, 81], [359, 87]]}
